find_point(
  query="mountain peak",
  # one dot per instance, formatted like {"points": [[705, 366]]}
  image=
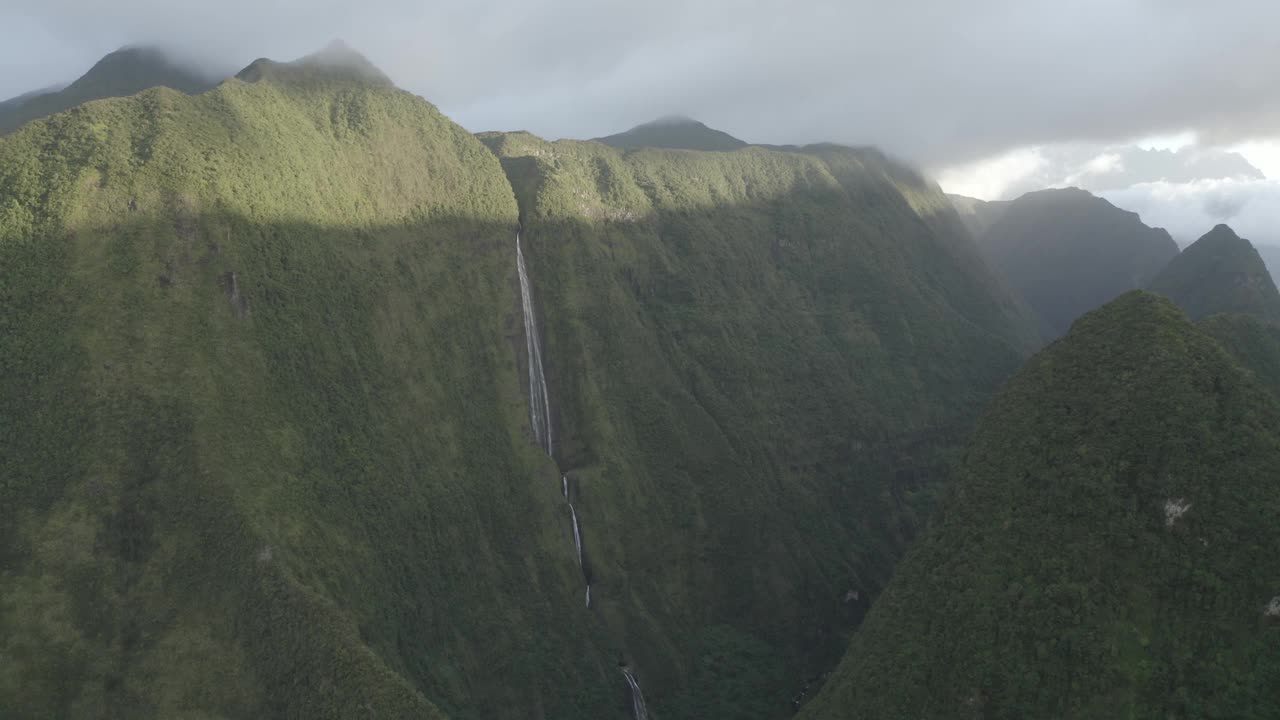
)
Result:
{"points": [[1221, 231], [676, 132], [335, 61], [1220, 273], [123, 72], [1067, 251], [671, 120]]}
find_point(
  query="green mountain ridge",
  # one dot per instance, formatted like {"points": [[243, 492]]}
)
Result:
{"points": [[1220, 273], [122, 73], [1066, 252], [1106, 548], [274, 456]]}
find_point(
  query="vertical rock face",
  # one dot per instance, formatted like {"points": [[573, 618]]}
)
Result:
{"points": [[1220, 273], [1109, 536], [1067, 252]]}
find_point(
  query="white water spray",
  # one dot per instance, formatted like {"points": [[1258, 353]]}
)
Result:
{"points": [[577, 535], [539, 398], [638, 709], [539, 402]]}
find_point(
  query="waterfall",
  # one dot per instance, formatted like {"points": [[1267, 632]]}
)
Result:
{"points": [[577, 535], [577, 543], [638, 709], [539, 403], [539, 398]]}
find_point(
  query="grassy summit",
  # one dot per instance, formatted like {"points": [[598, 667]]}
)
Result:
{"points": [[1107, 548]]}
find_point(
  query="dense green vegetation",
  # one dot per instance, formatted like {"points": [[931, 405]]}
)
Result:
{"points": [[677, 133], [122, 73], [759, 362], [1220, 273], [264, 440], [1107, 548], [261, 439], [1253, 341], [1067, 252]]}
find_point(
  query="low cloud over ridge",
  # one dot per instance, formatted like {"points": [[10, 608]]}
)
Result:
{"points": [[936, 82]]}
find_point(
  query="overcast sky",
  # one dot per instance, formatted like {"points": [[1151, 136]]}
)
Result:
{"points": [[938, 82], [947, 85]]}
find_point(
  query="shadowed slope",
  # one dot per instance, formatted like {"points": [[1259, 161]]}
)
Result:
{"points": [[1067, 252]]}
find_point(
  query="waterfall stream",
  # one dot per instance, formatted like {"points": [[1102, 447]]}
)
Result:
{"points": [[540, 419], [638, 709], [539, 400]]}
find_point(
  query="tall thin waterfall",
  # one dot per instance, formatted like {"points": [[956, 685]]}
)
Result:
{"points": [[540, 419], [539, 402], [577, 535], [638, 709]]}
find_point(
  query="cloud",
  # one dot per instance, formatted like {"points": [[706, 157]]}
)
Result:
{"points": [[1095, 168], [936, 81], [1188, 210]]}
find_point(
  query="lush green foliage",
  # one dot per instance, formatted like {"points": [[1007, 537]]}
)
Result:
{"points": [[262, 448], [759, 362], [1220, 273], [120, 74], [1067, 252], [1106, 550], [263, 425], [1253, 341]]}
